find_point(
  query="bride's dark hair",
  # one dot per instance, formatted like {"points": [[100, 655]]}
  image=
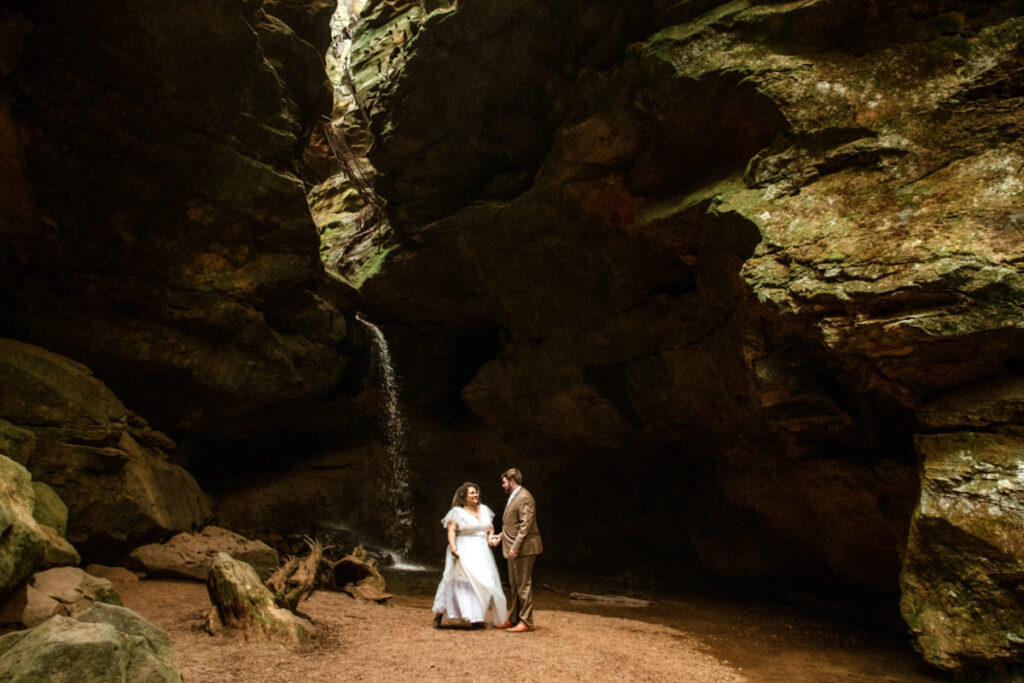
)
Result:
{"points": [[459, 500]]}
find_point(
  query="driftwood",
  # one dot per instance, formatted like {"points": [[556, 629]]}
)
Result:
{"points": [[615, 600], [357, 575], [295, 580]]}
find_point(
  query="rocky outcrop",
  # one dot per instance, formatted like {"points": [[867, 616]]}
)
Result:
{"points": [[106, 643], [243, 605], [158, 229], [188, 556], [105, 463], [965, 560], [732, 263], [22, 543]]}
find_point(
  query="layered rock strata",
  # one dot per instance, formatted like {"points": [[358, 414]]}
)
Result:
{"points": [[106, 464], [158, 225], [733, 263]]}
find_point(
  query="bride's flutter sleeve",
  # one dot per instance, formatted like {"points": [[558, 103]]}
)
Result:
{"points": [[452, 516], [488, 513]]}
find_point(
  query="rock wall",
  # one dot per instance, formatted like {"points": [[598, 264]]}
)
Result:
{"points": [[704, 268], [106, 464], [160, 232]]}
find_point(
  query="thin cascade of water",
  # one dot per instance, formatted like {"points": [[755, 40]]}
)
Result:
{"points": [[396, 470]]}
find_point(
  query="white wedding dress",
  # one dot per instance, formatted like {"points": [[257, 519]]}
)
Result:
{"points": [[470, 588]]}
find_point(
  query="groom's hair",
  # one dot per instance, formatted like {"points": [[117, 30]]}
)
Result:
{"points": [[512, 474]]}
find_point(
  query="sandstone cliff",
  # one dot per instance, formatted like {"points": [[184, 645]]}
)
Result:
{"points": [[733, 253]]}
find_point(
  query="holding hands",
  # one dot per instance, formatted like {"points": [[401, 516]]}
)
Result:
{"points": [[494, 540]]}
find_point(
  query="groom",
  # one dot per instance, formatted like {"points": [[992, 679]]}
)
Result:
{"points": [[520, 544]]}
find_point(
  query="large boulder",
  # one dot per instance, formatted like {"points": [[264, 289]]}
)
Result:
{"points": [[50, 509], [22, 543], [242, 604], [105, 463], [106, 644], [188, 556], [965, 556]]}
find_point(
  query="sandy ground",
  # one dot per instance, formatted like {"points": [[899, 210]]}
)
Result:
{"points": [[671, 641]]}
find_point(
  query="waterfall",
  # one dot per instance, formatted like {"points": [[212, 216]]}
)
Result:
{"points": [[396, 471]]}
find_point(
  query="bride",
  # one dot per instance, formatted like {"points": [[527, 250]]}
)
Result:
{"points": [[470, 588]]}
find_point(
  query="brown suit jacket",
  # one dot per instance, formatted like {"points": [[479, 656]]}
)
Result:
{"points": [[519, 526]]}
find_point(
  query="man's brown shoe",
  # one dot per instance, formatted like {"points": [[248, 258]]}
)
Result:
{"points": [[521, 627], [507, 624]]}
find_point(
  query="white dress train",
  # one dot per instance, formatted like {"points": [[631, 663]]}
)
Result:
{"points": [[470, 588]]}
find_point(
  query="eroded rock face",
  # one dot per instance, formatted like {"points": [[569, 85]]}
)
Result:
{"points": [[104, 462], [965, 559], [731, 264], [158, 225]]}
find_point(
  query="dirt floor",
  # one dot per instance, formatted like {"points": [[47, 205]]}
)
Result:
{"points": [[696, 639]]}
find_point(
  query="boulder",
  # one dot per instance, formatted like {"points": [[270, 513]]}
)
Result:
{"points": [[58, 552], [64, 591], [242, 604], [112, 574], [28, 607], [74, 589], [108, 645], [104, 463], [965, 555], [22, 543], [188, 556], [50, 509]]}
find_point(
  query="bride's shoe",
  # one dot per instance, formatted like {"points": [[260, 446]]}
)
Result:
{"points": [[437, 620]]}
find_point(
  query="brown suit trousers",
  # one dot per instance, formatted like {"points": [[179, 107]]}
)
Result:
{"points": [[519, 533]]}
